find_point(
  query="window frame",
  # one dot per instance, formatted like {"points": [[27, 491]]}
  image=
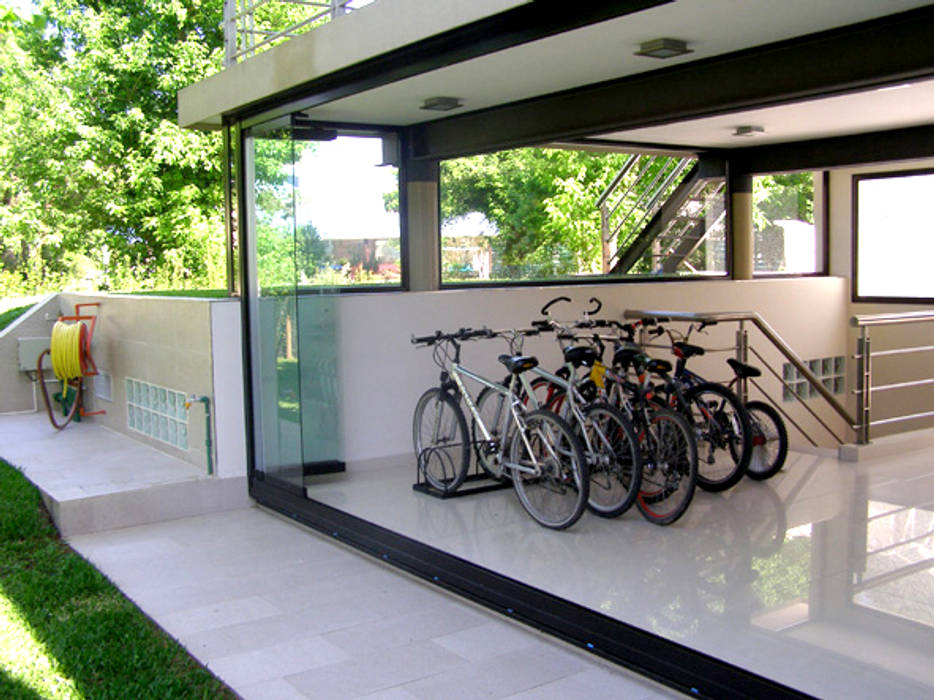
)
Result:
{"points": [[855, 296]]}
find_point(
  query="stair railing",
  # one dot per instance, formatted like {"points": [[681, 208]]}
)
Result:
{"points": [[742, 350], [864, 358]]}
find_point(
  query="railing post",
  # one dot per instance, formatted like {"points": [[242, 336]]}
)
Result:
{"points": [[742, 354], [230, 32], [863, 385]]}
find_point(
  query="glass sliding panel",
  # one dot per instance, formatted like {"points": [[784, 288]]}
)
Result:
{"points": [[786, 239], [273, 305]]}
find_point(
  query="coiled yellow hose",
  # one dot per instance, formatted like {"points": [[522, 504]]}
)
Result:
{"points": [[66, 350]]}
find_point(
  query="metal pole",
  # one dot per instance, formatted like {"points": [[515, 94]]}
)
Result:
{"points": [[742, 354], [863, 385], [230, 32]]}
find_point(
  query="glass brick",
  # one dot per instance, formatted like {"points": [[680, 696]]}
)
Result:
{"points": [[788, 371], [839, 385], [801, 389], [131, 417], [139, 417], [814, 366], [130, 394], [163, 428], [183, 436], [828, 383], [826, 366], [839, 365], [147, 422], [173, 432]]}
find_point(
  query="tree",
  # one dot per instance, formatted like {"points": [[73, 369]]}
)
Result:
{"points": [[777, 197], [93, 166]]}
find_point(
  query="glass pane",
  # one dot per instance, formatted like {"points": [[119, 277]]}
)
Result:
{"points": [[538, 214], [895, 242], [786, 239], [273, 307], [347, 212]]}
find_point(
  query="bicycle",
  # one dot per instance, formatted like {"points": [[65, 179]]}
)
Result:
{"points": [[606, 434], [537, 450], [723, 431]]}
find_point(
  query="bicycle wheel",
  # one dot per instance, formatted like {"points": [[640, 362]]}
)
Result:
{"points": [[494, 411], [669, 467], [615, 465], [545, 391], [769, 441], [439, 431], [723, 435], [549, 470]]}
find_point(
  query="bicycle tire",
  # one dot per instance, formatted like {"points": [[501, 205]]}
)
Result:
{"points": [[769, 441], [557, 496], [545, 391], [722, 431], [616, 468], [669, 467], [439, 433], [490, 406]]}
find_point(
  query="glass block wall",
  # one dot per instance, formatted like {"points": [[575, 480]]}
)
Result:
{"points": [[830, 370], [157, 412]]}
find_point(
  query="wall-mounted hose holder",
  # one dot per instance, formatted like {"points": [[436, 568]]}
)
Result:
{"points": [[70, 351]]}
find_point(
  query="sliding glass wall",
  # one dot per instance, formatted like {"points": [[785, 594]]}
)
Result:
{"points": [[322, 218]]}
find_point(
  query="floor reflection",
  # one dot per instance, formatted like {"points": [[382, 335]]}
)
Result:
{"points": [[821, 578]]}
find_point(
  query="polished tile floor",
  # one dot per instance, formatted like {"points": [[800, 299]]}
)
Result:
{"points": [[821, 578]]}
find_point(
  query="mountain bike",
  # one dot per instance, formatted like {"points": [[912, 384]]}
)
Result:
{"points": [[536, 449]]}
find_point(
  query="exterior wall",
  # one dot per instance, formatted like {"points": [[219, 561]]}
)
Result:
{"points": [[381, 374], [885, 371], [18, 390]]}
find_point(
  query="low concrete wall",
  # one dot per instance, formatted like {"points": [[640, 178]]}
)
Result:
{"points": [[18, 393]]}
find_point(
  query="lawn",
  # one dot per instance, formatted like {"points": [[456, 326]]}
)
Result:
{"points": [[10, 315], [65, 630]]}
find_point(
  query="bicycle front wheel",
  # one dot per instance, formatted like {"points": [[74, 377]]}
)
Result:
{"points": [[723, 435], [613, 459], [669, 467], [769, 441], [439, 431], [493, 408], [549, 470]]}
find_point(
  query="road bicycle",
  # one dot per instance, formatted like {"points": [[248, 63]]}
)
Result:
{"points": [[536, 449]]}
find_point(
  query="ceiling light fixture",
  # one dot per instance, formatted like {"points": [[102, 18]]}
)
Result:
{"points": [[889, 88], [663, 48], [748, 130], [442, 104]]}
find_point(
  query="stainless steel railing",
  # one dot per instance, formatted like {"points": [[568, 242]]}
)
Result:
{"points": [[251, 26], [864, 358], [743, 348]]}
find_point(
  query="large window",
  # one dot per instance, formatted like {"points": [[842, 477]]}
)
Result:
{"points": [[894, 236], [539, 215], [785, 236]]}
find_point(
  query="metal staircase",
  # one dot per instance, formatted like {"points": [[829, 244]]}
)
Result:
{"points": [[658, 211]]}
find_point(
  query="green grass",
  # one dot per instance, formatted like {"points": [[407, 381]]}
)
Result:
{"points": [[65, 630], [10, 315], [197, 293]]}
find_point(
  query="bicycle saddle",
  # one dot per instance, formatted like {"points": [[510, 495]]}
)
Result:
{"points": [[624, 356], [687, 350], [517, 364], [656, 366], [743, 370], [579, 355]]}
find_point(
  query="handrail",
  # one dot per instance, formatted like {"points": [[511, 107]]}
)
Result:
{"points": [[891, 319], [767, 331]]}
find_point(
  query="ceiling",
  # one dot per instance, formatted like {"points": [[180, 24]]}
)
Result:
{"points": [[605, 51]]}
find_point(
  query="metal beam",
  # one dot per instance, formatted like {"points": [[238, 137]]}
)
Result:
{"points": [[846, 59]]}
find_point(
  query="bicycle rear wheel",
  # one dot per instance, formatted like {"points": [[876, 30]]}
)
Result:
{"points": [[615, 465], [723, 435], [493, 408], [439, 431], [769, 441], [549, 470], [669, 467]]}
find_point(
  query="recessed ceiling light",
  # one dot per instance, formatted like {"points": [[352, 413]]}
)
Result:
{"points": [[442, 104], [663, 48], [889, 88], [748, 130]]}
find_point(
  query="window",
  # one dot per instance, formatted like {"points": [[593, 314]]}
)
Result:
{"points": [[894, 236], [786, 241], [539, 215]]}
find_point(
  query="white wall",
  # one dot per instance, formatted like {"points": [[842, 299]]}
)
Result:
{"points": [[382, 374]]}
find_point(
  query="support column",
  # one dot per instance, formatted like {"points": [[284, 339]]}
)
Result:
{"points": [[423, 252], [743, 243]]}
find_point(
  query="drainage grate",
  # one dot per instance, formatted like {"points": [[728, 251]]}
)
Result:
{"points": [[157, 412]]}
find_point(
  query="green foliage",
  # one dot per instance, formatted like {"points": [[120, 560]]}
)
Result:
{"points": [[52, 601], [99, 187], [775, 198]]}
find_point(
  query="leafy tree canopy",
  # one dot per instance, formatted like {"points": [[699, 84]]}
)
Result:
{"points": [[99, 187]]}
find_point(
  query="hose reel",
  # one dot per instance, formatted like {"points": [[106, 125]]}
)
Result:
{"points": [[70, 351]]}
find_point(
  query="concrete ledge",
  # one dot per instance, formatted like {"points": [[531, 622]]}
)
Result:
{"points": [[888, 446], [80, 516]]}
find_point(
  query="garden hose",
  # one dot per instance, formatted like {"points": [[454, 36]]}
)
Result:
{"points": [[68, 350]]}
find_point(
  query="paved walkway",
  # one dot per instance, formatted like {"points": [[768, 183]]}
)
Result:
{"points": [[279, 612]]}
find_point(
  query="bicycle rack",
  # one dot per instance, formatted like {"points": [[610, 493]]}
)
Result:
{"points": [[475, 475]]}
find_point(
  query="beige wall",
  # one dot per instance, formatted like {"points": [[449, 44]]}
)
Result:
{"points": [[18, 392], [885, 371]]}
